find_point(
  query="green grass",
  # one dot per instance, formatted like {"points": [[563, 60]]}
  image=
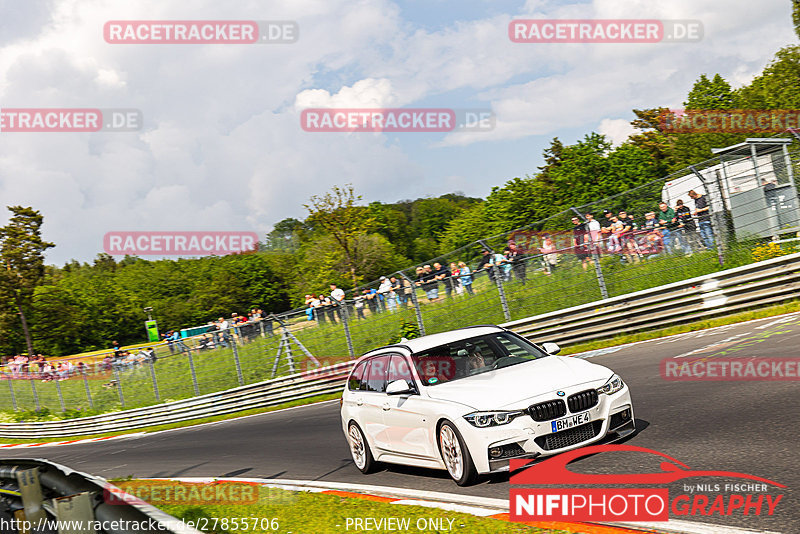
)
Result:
{"points": [[314, 513], [215, 370], [300, 402], [761, 313]]}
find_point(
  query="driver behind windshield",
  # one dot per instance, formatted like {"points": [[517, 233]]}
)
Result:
{"points": [[476, 360]]}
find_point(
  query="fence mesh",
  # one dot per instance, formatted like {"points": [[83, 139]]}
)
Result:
{"points": [[611, 247]]}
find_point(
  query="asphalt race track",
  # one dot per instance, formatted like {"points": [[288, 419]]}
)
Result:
{"points": [[746, 426]]}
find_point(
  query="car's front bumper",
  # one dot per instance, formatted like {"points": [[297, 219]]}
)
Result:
{"points": [[611, 418]]}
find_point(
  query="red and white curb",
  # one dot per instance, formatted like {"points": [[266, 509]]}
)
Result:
{"points": [[69, 442], [469, 504]]}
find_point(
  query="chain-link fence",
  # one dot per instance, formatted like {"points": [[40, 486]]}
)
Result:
{"points": [[732, 210]]}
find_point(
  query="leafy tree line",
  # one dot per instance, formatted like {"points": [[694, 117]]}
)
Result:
{"points": [[81, 306]]}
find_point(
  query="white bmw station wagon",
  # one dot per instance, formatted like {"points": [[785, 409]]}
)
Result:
{"points": [[471, 399]]}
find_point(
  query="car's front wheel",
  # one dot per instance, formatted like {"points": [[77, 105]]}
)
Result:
{"points": [[456, 456], [359, 449]]}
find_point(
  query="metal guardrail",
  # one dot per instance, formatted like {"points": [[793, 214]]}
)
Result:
{"points": [[767, 282], [263, 394], [42, 493]]}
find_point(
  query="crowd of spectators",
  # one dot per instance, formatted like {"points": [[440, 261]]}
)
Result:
{"points": [[665, 230], [220, 333]]}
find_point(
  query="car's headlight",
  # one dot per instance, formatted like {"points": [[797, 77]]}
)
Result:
{"points": [[485, 419], [613, 385]]}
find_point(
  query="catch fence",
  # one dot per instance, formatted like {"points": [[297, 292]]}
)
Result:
{"points": [[551, 265]]}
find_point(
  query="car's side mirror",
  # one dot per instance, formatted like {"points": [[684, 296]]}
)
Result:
{"points": [[551, 348], [398, 387]]}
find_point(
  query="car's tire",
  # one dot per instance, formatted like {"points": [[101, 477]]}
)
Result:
{"points": [[455, 455], [359, 449]]}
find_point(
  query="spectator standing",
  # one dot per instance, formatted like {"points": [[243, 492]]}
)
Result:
{"points": [[686, 227], [701, 211], [328, 308], [454, 272], [517, 261], [337, 300], [614, 240], [668, 223], [605, 228], [580, 242], [549, 254], [397, 289], [386, 294], [443, 275], [593, 233], [465, 275], [372, 300], [426, 279], [358, 304]]}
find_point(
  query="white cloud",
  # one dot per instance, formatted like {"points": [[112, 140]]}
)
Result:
{"points": [[617, 130], [222, 147]]}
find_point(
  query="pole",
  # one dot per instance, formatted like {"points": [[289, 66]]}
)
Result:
{"points": [[498, 280], [346, 322], [715, 229], [118, 378], [598, 270], [415, 303], [86, 388], [194, 374], [13, 397], [60, 396], [35, 395], [239, 376], [155, 382]]}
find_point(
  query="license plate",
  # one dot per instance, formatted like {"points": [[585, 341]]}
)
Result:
{"points": [[569, 422]]}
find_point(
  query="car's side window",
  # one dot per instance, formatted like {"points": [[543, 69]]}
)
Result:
{"points": [[356, 379], [375, 377], [399, 370]]}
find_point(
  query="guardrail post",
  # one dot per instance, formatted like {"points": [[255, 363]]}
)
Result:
{"points": [[155, 382], [60, 395], [13, 398], [194, 374], [346, 322], [238, 365], [415, 303], [35, 395], [86, 388], [118, 379]]}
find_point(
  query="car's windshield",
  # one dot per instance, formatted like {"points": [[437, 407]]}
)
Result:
{"points": [[473, 356]]}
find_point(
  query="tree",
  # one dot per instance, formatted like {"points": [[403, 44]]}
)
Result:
{"points": [[22, 256], [796, 16], [337, 214]]}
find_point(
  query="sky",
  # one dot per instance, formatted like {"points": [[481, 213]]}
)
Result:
{"points": [[221, 147]]}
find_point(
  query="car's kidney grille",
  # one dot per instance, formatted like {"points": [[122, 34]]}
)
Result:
{"points": [[582, 401], [571, 436], [545, 411]]}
